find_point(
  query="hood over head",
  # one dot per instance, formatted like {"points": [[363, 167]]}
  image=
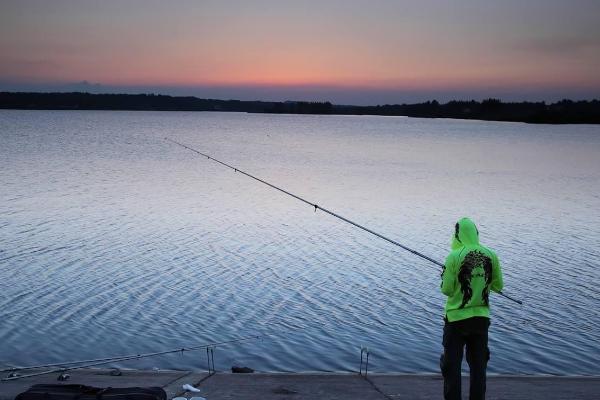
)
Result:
{"points": [[454, 243], [465, 234]]}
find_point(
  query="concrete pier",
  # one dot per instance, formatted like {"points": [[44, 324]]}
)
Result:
{"points": [[324, 386]]}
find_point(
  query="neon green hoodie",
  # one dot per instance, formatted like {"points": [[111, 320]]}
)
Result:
{"points": [[470, 272]]}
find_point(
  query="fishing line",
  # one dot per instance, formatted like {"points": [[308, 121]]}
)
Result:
{"points": [[317, 207], [78, 364], [107, 360]]}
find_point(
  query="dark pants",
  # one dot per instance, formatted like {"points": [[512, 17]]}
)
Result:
{"points": [[472, 332]]}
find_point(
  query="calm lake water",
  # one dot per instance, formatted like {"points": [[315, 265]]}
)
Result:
{"points": [[115, 241]]}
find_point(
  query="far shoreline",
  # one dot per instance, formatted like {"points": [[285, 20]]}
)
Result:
{"points": [[562, 112]]}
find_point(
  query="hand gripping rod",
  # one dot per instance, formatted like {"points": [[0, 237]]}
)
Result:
{"points": [[317, 207]]}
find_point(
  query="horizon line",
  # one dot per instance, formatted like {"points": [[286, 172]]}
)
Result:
{"points": [[290, 100]]}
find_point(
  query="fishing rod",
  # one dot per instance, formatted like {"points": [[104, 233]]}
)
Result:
{"points": [[106, 360], [317, 207], [102, 361]]}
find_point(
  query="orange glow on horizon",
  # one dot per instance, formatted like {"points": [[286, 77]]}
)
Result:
{"points": [[384, 46]]}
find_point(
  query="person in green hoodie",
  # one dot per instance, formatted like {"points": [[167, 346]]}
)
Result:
{"points": [[470, 272]]}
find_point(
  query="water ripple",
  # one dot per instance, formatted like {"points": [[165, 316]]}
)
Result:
{"points": [[113, 242]]}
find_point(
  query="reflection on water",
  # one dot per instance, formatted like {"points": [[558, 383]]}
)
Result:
{"points": [[115, 241]]}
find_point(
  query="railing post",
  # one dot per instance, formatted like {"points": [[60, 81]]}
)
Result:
{"points": [[210, 360], [364, 355]]}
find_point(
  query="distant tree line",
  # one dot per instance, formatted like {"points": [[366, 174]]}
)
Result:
{"points": [[300, 107], [149, 102], [562, 112]]}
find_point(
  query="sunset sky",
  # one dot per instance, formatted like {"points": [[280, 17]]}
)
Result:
{"points": [[353, 52]]}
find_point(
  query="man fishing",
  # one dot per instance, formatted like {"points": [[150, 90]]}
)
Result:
{"points": [[470, 272]]}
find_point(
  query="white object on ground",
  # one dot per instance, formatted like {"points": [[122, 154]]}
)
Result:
{"points": [[189, 388], [198, 398]]}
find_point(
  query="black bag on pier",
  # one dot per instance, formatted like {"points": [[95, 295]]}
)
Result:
{"points": [[82, 392]]}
